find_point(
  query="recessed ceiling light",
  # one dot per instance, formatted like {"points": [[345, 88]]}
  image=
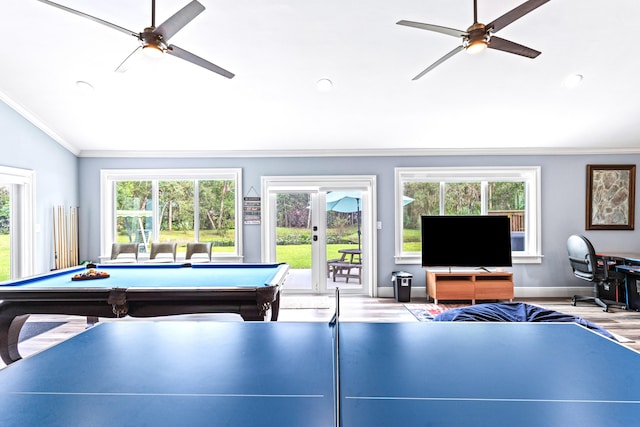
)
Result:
{"points": [[324, 85], [572, 80], [84, 87]]}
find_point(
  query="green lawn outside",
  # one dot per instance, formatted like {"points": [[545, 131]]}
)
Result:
{"points": [[412, 247], [5, 269], [221, 244], [299, 256]]}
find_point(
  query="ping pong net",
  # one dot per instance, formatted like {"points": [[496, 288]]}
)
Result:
{"points": [[335, 324]]}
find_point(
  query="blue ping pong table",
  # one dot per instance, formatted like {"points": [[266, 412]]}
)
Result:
{"points": [[186, 373]]}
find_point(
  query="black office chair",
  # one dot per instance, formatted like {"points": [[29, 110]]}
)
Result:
{"points": [[586, 265]]}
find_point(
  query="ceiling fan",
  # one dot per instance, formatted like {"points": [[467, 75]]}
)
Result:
{"points": [[480, 36], [154, 40]]}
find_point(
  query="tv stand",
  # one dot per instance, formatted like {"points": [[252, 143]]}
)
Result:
{"points": [[469, 285]]}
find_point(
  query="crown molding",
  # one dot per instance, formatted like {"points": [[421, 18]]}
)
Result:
{"points": [[396, 152], [27, 115]]}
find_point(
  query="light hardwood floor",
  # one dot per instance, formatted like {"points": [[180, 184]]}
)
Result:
{"points": [[353, 308]]}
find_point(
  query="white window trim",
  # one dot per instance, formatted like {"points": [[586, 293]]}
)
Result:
{"points": [[107, 197], [22, 219], [530, 174], [270, 185]]}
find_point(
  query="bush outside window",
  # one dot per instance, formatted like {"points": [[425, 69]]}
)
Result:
{"points": [[173, 206], [512, 191]]}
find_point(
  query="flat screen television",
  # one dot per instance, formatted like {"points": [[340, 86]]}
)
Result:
{"points": [[466, 241]]}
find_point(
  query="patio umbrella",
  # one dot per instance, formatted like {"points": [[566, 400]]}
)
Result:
{"points": [[346, 202], [349, 202]]}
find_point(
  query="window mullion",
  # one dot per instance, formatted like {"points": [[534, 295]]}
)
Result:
{"points": [[196, 210], [484, 198], [155, 191]]}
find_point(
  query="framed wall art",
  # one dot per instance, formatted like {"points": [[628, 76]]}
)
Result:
{"points": [[610, 197]]}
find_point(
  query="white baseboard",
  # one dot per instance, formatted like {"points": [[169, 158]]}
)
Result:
{"points": [[519, 292], [553, 292]]}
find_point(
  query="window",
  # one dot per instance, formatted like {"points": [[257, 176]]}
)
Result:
{"points": [[182, 206], [511, 191], [16, 222]]}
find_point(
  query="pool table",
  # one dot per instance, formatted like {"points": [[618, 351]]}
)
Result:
{"points": [[140, 290]]}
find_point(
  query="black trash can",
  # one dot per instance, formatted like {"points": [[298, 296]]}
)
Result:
{"points": [[401, 285]]}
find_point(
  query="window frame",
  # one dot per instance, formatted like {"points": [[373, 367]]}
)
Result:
{"points": [[529, 174], [108, 178]]}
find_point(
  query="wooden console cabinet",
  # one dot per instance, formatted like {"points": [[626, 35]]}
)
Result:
{"points": [[480, 285]]}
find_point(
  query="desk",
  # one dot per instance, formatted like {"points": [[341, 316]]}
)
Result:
{"points": [[142, 290], [632, 285], [624, 257], [281, 374], [627, 263], [341, 267]]}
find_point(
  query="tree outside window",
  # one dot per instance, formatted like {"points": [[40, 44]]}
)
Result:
{"points": [[475, 191], [176, 210], [5, 236]]}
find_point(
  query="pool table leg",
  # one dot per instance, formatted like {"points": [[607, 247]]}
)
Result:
{"points": [[266, 306], [265, 310], [10, 327], [275, 308], [250, 313]]}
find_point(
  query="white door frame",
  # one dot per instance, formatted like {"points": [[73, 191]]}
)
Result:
{"points": [[314, 183], [22, 216]]}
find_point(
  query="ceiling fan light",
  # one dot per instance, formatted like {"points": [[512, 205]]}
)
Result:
{"points": [[152, 51], [477, 46]]}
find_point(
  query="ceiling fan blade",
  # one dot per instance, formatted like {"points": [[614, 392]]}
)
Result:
{"points": [[181, 18], [129, 60], [511, 47], [514, 14], [429, 27], [188, 56], [93, 18], [439, 61]]}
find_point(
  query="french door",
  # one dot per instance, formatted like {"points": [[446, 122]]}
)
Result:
{"points": [[16, 222], [326, 245]]}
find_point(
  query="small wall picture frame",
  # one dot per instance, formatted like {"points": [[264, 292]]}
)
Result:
{"points": [[610, 197]]}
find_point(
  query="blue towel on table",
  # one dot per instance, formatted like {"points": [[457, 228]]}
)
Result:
{"points": [[514, 312]]}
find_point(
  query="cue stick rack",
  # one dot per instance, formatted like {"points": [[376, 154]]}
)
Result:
{"points": [[65, 237]]}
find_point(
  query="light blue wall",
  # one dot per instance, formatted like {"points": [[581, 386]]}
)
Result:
{"points": [[563, 203], [63, 179], [25, 146]]}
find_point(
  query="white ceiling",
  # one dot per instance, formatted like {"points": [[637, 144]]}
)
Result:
{"points": [[279, 49]]}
